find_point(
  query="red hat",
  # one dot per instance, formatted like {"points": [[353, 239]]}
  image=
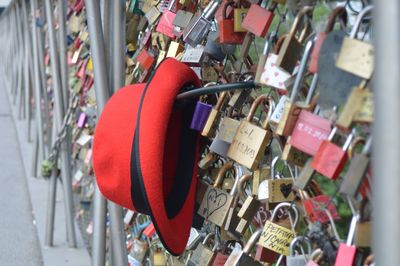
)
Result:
{"points": [[145, 154]]}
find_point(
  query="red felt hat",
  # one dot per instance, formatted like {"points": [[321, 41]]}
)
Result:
{"points": [[145, 154]]}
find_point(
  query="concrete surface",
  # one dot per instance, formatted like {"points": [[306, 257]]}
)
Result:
{"points": [[22, 226]]}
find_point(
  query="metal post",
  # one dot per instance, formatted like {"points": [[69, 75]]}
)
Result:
{"points": [[59, 114], [118, 78], [39, 118], [62, 12], [28, 71], [101, 83], [386, 130], [20, 73]]}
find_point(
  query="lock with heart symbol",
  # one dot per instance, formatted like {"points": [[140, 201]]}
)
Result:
{"points": [[279, 189], [216, 201]]}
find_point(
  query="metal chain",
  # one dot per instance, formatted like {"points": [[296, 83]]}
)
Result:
{"points": [[73, 104]]}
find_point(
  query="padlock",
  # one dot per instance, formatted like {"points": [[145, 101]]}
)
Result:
{"points": [[258, 19], [250, 141], [138, 250], [338, 12], [356, 56], [242, 257], [159, 257], [359, 107], [214, 49], [145, 59], [347, 252], [228, 128], [203, 255], [268, 73], [238, 16], [207, 160], [193, 56], [315, 257], [316, 206], [200, 115], [309, 132], [175, 49], [181, 21], [298, 259], [194, 239], [291, 108], [152, 15], [165, 25], [330, 158], [363, 233], [279, 189], [292, 155], [259, 175], [248, 210], [200, 25], [226, 33], [292, 47], [214, 117], [356, 171], [233, 219], [276, 237], [216, 202], [223, 254], [305, 175]]}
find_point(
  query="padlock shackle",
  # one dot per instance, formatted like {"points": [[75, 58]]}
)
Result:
{"points": [[348, 142], [354, 143], [205, 240], [312, 88], [262, 99], [302, 69], [221, 174], [229, 3], [236, 184], [367, 147], [298, 18], [352, 231], [273, 163], [221, 100], [241, 184], [288, 205], [338, 13], [296, 241], [211, 9], [252, 241], [361, 15]]}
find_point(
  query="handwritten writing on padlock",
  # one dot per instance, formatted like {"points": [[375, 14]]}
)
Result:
{"points": [[278, 238]]}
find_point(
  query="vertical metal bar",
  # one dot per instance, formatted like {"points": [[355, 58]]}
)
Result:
{"points": [[20, 46], [43, 75], [59, 110], [39, 118], [51, 200], [62, 12], [28, 71], [386, 131], [101, 90]]}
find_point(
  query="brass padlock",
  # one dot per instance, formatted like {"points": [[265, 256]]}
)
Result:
{"points": [[250, 141], [216, 202], [292, 155], [292, 47], [238, 16], [279, 189], [276, 237], [214, 116], [356, 56]]}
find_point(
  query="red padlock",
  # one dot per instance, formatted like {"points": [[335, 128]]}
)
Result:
{"points": [[316, 206], [337, 12], [165, 25], [330, 158], [226, 33], [347, 252], [258, 19], [145, 59], [309, 132]]}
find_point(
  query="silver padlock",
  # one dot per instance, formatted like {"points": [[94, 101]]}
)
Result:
{"points": [[299, 259]]}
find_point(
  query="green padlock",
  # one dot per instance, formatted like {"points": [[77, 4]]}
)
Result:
{"points": [[46, 168]]}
